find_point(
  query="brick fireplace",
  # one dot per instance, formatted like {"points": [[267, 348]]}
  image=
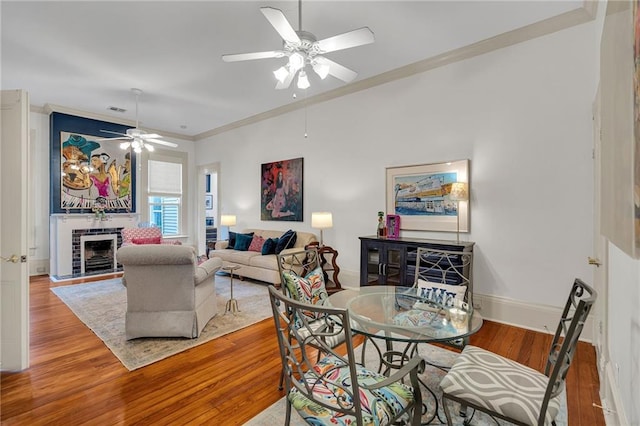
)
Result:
{"points": [[70, 235]]}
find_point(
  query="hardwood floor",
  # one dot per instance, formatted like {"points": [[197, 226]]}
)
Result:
{"points": [[74, 379]]}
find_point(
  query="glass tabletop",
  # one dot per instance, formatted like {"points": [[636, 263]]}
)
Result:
{"points": [[402, 314]]}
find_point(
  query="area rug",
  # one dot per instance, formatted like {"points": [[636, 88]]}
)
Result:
{"points": [[436, 357], [102, 305]]}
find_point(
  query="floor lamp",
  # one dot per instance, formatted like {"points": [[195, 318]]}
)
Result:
{"points": [[321, 220], [459, 192], [228, 220]]}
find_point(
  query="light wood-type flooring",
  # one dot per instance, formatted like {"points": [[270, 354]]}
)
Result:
{"points": [[75, 380]]}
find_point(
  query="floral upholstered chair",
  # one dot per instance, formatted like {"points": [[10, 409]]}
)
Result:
{"points": [[144, 235]]}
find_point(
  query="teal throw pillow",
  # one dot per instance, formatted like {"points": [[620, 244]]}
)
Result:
{"points": [[243, 241], [269, 246]]}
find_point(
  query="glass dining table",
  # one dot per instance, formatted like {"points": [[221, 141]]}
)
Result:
{"points": [[395, 320]]}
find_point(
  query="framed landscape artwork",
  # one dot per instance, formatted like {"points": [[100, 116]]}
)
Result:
{"points": [[281, 190], [87, 171], [419, 195]]}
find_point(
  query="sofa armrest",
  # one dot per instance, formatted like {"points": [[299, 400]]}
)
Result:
{"points": [[221, 245], [207, 269]]}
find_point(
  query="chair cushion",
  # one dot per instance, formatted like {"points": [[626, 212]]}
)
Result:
{"points": [[142, 241], [499, 384], [308, 289], [379, 406]]}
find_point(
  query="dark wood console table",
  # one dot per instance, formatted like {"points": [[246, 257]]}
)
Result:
{"points": [[386, 261]]}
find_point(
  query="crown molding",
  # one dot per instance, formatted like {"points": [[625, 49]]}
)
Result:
{"points": [[548, 26], [49, 108]]}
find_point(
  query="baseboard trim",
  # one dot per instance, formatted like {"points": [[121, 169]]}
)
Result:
{"points": [[611, 403], [530, 316]]}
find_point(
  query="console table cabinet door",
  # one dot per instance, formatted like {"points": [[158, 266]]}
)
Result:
{"points": [[393, 261], [383, 264]]}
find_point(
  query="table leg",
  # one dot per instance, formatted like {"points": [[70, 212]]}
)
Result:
{"points": [[232, 304]]}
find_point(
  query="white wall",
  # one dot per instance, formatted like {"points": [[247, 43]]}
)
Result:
{"points": [[522, 115]]}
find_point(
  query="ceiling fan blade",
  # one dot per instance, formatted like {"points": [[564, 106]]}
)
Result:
{"points": [[159, 142], [149, 136], [114, 133], [280, 23], [114, 139], [337, 70], [347, 40], [287, 81], [250, 56]]}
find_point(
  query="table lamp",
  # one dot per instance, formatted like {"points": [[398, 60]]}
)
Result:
{"points": [[321, 220], [459, 192], [228, 220]]}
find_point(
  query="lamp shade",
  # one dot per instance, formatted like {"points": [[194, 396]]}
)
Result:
{"points": [[459, 192], [228, 220], [321, 220]]}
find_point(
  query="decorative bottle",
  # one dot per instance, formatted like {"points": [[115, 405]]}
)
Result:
{"points": [[382, 230]]}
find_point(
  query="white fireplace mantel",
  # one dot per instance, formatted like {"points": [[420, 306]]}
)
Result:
{"points": [[62, 226]]}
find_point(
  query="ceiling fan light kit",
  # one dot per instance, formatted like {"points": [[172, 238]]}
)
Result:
{"points": [[302, 48]]}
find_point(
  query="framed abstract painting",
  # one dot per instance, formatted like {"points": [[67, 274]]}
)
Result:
{"points": [[281, 190]]}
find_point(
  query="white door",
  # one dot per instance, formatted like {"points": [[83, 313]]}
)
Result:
{"points": [[599, 258], [14, 280]]}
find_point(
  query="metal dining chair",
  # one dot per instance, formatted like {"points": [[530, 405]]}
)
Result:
{"points": [[302, 279], [445, 277], [511, 391], [335, 389]]}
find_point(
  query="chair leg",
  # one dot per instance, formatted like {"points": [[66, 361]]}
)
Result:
{"points": [[287, 418], [447, 414], [281, 384]]}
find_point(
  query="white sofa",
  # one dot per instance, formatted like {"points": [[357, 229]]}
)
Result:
{"points": [[254, 264], [168, 293]]}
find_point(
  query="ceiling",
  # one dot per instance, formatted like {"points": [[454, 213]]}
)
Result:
{"points": [[87, 55]]}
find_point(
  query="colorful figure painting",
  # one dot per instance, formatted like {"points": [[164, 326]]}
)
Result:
{"points": [[88, 172], [91, 171], [281, 190]]}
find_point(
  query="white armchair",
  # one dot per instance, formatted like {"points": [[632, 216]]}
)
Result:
{"points": [[168, 293]]}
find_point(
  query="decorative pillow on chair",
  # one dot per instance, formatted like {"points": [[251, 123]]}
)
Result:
{"points": [[445, 294], [256, 243], [152, 240], [308, 289], [286, 240], [269, 246], [243, 241]]}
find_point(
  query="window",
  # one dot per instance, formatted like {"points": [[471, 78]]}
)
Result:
{"points": [[164, 192]]}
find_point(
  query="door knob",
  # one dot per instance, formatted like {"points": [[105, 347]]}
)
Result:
{"points": [[594, 261]]}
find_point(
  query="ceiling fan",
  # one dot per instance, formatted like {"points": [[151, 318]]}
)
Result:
{"points": [[137, 138], [302, 49]]}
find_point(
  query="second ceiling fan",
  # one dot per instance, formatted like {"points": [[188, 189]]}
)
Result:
{"points": [[137, 138], [302, 49]]}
